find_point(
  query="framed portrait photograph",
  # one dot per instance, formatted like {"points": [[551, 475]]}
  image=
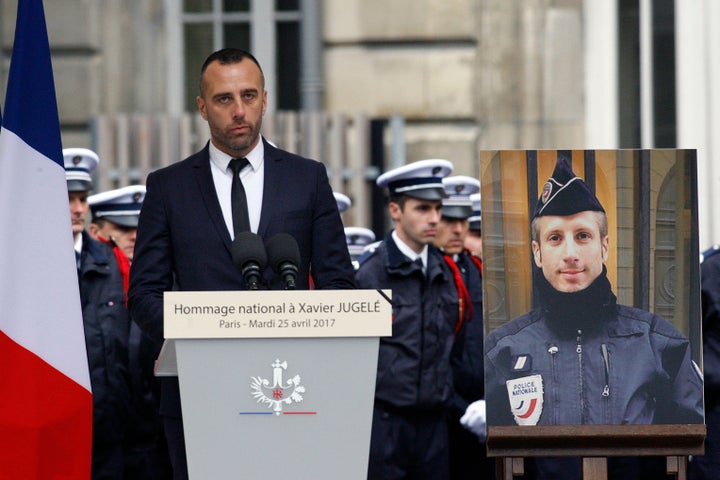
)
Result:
{"points": [[591, 293]]}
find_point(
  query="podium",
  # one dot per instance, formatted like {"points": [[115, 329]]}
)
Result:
{"points": [[275, 384]]}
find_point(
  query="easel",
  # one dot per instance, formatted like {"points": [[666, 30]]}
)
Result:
{"points": [[594, 443]]}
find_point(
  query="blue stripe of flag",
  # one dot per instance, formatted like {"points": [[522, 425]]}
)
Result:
{"points": [[30, 104]]}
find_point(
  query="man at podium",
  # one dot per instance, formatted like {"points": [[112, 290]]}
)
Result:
{"points": [[238, 186]]}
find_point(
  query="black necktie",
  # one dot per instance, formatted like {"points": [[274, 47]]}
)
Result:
{"points": [[418, 261], [241, 221]]}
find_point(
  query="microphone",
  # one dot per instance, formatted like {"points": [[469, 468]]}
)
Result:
{"points": [[248, 254], [284, 257]]}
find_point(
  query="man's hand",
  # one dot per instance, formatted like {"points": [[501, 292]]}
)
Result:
{"points": [[474, 419]]}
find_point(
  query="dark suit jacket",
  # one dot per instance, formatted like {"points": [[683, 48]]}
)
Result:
{"points": [[183, 242]]}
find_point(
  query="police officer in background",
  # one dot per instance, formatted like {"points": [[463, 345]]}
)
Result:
{"points": [[473, 241], [343, 202], [115, 215], [414, 380], [358, 238], [707, 466], [105, 321], [466, 422]]}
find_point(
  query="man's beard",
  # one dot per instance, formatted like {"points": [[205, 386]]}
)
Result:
{"points": [[241, 144]]}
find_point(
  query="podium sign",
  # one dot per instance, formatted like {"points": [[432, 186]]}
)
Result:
{"points": [[276, 383]]}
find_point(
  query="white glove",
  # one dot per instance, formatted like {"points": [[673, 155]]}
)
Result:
{"points": [[475, 419]]}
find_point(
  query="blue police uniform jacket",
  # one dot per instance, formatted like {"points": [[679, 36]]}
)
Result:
{"points": [[414, 363], [600, 363], [106, 324], [468, 357]]}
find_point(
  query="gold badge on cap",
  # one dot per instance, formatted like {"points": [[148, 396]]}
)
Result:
{"points": [[547, 191]]}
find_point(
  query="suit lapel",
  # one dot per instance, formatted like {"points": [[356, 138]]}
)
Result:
{"points": [[271, 187], [203, 176]]}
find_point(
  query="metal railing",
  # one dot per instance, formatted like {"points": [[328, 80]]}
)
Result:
{"points": [[131, 146]]}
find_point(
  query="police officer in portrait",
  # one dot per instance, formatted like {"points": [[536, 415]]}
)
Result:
{"points": [[579, 357], [414, 388]]}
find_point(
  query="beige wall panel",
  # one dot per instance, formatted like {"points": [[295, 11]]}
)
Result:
{"points": [[532, 135], [362, 20], [71, 24], [418, 84], [563, 68], [530, 75], [564, 135], [134, 73], [501, 70], [83, 14], [499, 136], [76, 139], [59, 15], [452, 142], [76, 89], [8, 12]]}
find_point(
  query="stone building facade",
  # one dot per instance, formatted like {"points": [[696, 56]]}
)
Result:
{"points": [[462, 75]]}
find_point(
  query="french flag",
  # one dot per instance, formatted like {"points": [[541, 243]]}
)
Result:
{"points": [[45, 397]]}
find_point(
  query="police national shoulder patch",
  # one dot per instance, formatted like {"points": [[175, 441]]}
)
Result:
{"points": [[526, 399]]}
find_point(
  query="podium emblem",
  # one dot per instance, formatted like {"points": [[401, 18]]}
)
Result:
{"points": [[277, 392]]}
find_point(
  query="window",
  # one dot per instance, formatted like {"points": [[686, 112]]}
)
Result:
{"points": [[650, 122], [270, 30]]}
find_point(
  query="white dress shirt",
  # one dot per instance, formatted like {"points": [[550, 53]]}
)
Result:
{"points": [[409, 252], [252, 178]]}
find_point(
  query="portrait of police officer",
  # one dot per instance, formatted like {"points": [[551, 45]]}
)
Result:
{"points": [[579, 357]]}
